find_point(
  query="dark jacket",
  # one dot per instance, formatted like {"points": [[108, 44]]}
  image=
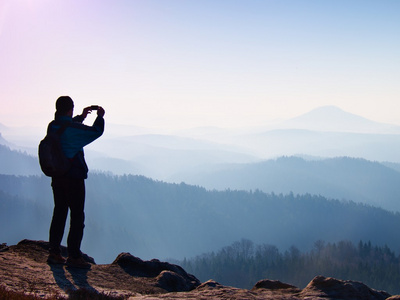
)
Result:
{"points": [[74, 138]]}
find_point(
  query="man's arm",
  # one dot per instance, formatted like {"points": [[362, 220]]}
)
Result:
{"points": [[80, 118], [81, 135]]}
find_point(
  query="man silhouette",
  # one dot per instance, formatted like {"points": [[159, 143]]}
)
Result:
{"points": [[69, 189]]}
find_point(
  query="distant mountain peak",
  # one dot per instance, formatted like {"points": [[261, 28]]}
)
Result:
{"points": [[333, 118], [331, 113]]}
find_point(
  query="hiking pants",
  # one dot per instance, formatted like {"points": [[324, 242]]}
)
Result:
{"points": [[69, 194]]}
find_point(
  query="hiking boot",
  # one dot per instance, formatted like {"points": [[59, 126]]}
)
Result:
{"points": [[55, 259], [78, 263]]}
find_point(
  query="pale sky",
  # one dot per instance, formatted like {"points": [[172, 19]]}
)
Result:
{"points": [[187, 63]]}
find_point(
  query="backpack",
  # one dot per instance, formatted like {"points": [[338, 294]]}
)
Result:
{"points": [[52, 159]]}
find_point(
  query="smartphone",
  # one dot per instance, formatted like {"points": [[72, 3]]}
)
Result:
{"points": [[94, 107]]}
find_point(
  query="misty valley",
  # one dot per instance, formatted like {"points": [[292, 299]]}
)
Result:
{"points": [[217, 208]]}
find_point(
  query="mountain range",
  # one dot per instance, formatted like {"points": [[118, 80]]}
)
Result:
{"points": [[325, 132], [352, 179], [348, 164]]}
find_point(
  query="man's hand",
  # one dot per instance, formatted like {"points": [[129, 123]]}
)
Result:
{"points": [[101, 112], [86, 111], [89, 109]]}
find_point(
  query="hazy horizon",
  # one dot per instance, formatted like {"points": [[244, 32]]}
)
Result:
{"points": [[184, 64]]}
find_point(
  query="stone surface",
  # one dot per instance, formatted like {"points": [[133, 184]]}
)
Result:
{"points": [[23, 267]]}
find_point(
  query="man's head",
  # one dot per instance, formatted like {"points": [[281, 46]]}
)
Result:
{"points": [[64, 105]]}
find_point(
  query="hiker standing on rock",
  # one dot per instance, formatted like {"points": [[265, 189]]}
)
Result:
{"points": [[69, 189]]}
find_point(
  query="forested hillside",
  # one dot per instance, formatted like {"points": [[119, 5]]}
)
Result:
{"points": [[243, 263], [16, 162], [346, 178], [342, 178], [153, 219]]}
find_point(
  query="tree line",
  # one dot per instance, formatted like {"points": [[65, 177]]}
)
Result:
{"points": [[243, 263]]}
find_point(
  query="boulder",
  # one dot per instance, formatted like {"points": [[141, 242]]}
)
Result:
{"points": [[210, 284], [173, 282], [176, 275], [274, 285], [324, 287]]}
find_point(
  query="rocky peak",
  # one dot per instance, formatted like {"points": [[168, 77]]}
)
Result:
{"points": [[23, 268]]}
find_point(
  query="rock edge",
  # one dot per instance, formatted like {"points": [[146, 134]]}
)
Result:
{"points": [[23, 267]]}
